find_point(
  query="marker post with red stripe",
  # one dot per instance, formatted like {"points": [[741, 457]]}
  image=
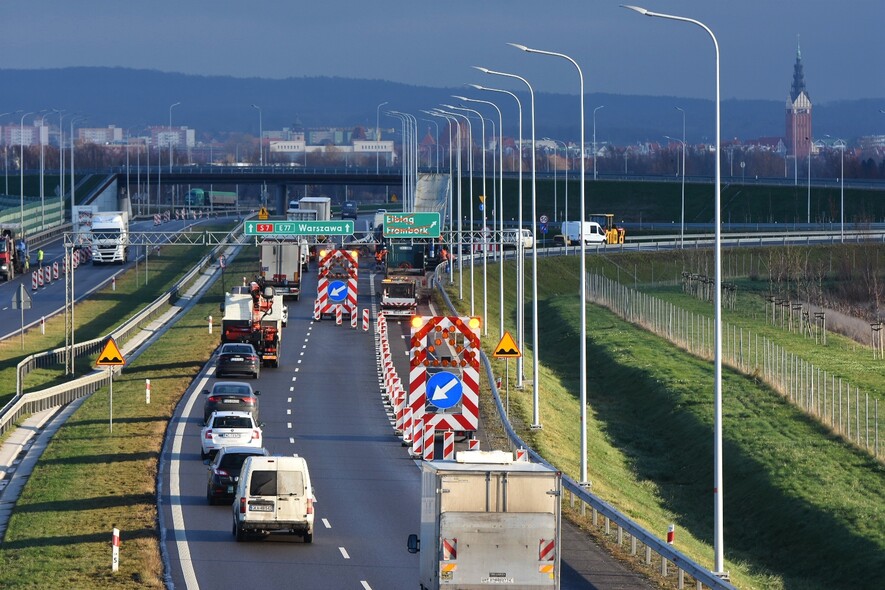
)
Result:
{"points": [[115, 550]]}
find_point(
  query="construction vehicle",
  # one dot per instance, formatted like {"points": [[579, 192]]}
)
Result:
{"points": [[406, 282], [281, 264], [255, 317], [337, 279], [613, 233], [488, 520], [13, 253]]}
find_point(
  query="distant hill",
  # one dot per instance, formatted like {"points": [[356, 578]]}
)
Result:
{"points": [[131, 98]]}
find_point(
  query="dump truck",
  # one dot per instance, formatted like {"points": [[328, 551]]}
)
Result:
{"points": [[487, 519], [257, 318], [281, 264], [399, 297]]}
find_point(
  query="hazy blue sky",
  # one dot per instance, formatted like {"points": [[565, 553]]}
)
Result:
{"points": [[435, 43]]}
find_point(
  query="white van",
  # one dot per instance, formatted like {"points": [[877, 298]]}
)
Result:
{"points": [[274, 495], [593, 233], [510, 236]]}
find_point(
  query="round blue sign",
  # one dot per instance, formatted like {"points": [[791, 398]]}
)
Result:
{"points": [[444, 390], [337, 291]]}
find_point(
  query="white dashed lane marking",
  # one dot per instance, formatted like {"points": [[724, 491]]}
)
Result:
{"points": [[344, 553]]}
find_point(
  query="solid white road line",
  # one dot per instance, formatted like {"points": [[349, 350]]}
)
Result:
{"points": [[178, 525]]}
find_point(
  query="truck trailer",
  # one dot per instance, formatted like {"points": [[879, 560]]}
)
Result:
{"points": [[256, 318], [488, 520], [281, 264]]}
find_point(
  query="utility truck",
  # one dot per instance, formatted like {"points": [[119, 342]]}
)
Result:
{"points": [[110, 237], [280, 265], [13, 252], [487, 520], [406, 282], [257, 318]]}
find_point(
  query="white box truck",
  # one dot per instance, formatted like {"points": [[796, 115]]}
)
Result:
{"points": [[281, 264], [488, 520], [110, 237], [322, 205]]}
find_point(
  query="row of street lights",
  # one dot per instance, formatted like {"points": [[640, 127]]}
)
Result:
{"points": [[536, 423]]}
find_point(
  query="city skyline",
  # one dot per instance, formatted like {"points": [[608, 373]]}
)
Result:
{"points": [[435, 45]]}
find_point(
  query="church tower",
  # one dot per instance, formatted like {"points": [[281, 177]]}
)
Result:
{"points": [[798, 120]]}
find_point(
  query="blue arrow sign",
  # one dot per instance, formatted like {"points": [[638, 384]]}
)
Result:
{"points": [[444, 390], [337, 291]]}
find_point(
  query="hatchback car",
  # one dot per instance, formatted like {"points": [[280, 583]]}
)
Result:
{"points": [[237, 358], [224, 471], [229, 429], [232, 396]]}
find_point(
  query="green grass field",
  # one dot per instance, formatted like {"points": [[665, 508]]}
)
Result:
{"points": [[802, 508]]}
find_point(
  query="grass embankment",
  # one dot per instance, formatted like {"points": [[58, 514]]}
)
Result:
{"points": [[90, 479], [802, 509]]}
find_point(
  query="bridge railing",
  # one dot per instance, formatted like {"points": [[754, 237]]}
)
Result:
{"points": [[611, 515]]}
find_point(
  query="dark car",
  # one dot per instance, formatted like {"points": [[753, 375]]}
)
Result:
{"points": [[224, 471], [237, 358], [348, 210], [230, 396]]}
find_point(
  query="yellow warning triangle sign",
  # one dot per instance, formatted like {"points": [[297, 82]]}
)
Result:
{"points": [[110, 355], [507, 348]]}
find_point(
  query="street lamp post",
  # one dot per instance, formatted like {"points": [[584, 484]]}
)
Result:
{"points": [[450, 214], [682, 223], [172, 106], [536, 420], [842, 145], [520, 252], [499, 206], [583, 265], [436, 146], [564, 149], [260, 136], [718, 542], [602, 106], [378, 134], [73, 188], [42, 173], [6, 153], [21, 171]]}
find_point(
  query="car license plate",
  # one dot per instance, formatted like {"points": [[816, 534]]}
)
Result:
{"points": [[261, 507], [230, 435], [236, 359], [232, 401]]}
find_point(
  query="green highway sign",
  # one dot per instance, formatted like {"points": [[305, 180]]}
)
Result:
{"points": [[411, 225], [299, 228]]}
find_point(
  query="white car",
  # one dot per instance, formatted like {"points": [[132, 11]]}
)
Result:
{"points": [[229, 429]]}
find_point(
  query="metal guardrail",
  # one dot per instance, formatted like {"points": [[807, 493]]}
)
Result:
{"points": [[27, 403], [701, 574]]}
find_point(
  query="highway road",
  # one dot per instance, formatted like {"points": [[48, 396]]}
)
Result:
{"points": [[50, 299], [323, 403]]}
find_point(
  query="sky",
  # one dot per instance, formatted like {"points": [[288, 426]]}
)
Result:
{"points": [[435, 43]]}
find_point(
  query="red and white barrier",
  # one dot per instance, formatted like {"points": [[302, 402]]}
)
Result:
{"points": [[55, 271], [316, 309], [522, 454], [429, 431], [473, 444], [353, 319], [449, 445], [35, 281], [40, 282], [147, 391], [47, 274], [339, 315], [366, 320], [671, 534]]}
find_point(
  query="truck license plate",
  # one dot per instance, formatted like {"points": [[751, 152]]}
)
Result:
{"points": [[260, 507], [497, 579]]}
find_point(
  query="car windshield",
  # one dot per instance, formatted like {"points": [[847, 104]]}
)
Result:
{"points": [[233, 461], [237, 350], [232, 422], [232, 388]]}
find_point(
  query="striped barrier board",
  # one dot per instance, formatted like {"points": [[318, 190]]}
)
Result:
{"points": [[366, 320], [338, 265], [55, 274]]}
